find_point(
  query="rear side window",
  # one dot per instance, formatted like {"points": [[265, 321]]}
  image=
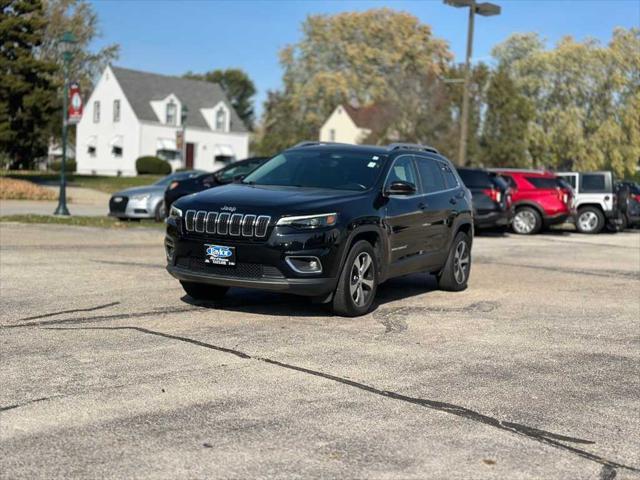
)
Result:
{"points": [[475, 178], [430, 175], [548, 183], [592, 183], [570, 179], [450, 179]]}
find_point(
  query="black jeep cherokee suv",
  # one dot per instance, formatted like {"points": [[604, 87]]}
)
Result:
{"points": [[328, 221]]}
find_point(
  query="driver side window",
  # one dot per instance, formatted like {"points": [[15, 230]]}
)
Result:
{"points": [[403, 170]]}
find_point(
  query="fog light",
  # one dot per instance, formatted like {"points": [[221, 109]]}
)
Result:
{"points": [[304, 264], [169, 249]]}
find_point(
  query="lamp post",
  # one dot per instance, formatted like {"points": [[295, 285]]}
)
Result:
{"points": [[184, 111], [67, 41], [486, 10]]}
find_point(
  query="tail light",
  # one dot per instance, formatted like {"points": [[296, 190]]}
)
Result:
{"points": [[493, 194], [173, 185], [636, 197]]}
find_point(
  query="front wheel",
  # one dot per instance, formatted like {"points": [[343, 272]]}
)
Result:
{"points": [[160, 212], [358, 282], [455, 273]]}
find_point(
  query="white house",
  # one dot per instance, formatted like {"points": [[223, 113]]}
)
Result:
{"points": [[131, 114], [348, 124]]}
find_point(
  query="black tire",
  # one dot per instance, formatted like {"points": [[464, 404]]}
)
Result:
{"points": [[625, 222], [590, 220], [454, 276], [202, 291], [159, 214], [356, 282], [526, 221]]}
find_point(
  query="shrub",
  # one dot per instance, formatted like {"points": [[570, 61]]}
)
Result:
{"points": [[153, 165], [70, 165]]}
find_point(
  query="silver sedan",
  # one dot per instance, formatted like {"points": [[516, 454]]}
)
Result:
{"points": [[147, 201]]}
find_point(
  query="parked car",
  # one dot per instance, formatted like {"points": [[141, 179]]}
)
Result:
{"points": [[539, 199], [328, 221], [236, 170], [145, 202], [628, 194], [595, 200], [491, 197]]}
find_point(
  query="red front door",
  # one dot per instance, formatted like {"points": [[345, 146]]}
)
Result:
{"points": [[189, 163]]}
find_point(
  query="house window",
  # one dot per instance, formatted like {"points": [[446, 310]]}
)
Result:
{"points": [[117, 151], [96, 111], [91, 150], [221, 120], [171, 113], [116, 110], [332, 135]]}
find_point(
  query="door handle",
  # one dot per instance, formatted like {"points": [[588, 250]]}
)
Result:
{"points": [[453, 201], [422, 206]]}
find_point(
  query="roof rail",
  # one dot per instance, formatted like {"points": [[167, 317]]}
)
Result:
{"points": [[412, 146], [306, 143]]}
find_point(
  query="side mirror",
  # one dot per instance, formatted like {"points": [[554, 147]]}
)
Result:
{"points": [[238, 178], [400, 188]]}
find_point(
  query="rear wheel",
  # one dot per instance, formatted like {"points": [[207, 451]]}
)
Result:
{"points": [[590, 220], [526, 221], [358, 282], [455, 273], [202, 291]]}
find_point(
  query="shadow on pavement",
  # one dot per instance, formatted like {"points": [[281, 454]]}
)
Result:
{"points": [[268, 303]]}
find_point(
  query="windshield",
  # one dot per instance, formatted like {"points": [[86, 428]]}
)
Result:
{"points": [[177, 176], [320, 169]]}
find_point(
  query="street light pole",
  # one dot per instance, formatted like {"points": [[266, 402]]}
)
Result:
{"points": [[66, 43], [486, 10], [464, 124]]}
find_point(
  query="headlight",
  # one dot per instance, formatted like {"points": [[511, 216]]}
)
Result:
{"points": [[310, 221], [140, 198], [175, 212]]}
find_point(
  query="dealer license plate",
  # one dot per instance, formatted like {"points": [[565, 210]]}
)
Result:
{"points": [[219, 255]]}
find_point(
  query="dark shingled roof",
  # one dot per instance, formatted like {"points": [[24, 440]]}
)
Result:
{"points": [[141, 88]]}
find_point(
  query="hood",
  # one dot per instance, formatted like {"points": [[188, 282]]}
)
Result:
{"points": [[150, 189], [268, 200]]}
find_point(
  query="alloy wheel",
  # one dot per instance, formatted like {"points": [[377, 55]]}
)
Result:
{"points": [[461, 261], [524, 222], [588, 221], [362, 279]]}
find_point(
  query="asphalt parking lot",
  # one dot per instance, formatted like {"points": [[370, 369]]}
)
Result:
{"points": [[109, 371]]}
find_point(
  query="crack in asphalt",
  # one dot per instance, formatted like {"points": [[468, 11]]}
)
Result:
{"points": [[74, 310], [541, 436], [24, 404], [101, 318]]}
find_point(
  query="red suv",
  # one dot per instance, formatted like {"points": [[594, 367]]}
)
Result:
{"points": [[540, 199]]}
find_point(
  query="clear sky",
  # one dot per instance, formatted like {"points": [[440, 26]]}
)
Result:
{"points": [[172, 37]]}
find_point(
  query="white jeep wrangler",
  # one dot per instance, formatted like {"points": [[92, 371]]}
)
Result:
{"points": [[594, 200]]}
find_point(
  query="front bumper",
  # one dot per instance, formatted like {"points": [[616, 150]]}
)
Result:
{"points": [[134, 209], [297, 286], [260, 263]]}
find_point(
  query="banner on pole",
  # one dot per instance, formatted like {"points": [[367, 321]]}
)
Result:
{"points": [[74, 113]]}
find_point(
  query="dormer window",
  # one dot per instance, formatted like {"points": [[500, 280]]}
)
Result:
{"points": [[221, 120], [171, 116]]}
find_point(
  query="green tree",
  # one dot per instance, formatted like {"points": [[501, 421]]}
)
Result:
{"points": [[582, 95], [27, 92], [237, 85], [361, 58], [508, 113]]}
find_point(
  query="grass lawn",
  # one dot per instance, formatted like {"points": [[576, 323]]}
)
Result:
{"points": [[103, 222], [102, 183]]}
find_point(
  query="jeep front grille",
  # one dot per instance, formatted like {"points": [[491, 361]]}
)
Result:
{"points": [[223, 223]]}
